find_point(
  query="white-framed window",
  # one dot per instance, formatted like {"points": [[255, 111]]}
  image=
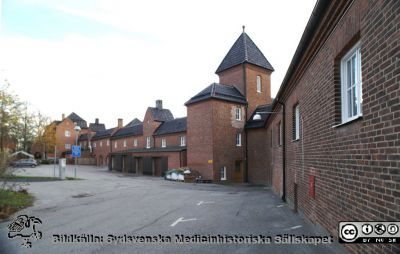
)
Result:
{"points": [[259, 84], [223, 173], [115, 144], [108, 142], [296, 122], [135, 142], [148, 142], [124, 142], [351, 84], [280, 136], [163, 142], [94, 144], [238, 114], [238, 139], [67, 146], [67, 133], [101, 143], [183, 141]]}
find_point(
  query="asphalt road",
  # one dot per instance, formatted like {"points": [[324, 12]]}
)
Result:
{"points": [[107, 203]]}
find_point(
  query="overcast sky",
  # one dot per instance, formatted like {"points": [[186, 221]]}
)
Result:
{"points": [[113, 58]]}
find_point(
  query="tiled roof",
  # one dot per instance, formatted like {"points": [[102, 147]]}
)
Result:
{"points": [[220, 92], [153, 149], [174, 126], [78, 120], [244, 50], [97, 127], [103, 134], [83, 137], [264, 117], [161, 115], [129, 131], [133, 122]]}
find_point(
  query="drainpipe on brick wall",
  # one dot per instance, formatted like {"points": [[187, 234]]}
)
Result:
{"points": [[283, 151], [246, 175]]}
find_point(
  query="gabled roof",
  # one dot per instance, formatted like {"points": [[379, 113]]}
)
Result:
{"points": [[129, 131], [174, 126], [103, 134], [97, 127], [83, 137], [78, 120], [161, 115], [244, 50], [219, 92], [264, 117], [133, 122]]}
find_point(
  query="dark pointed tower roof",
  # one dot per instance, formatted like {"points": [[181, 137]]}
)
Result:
{"points": [[244, 50]]}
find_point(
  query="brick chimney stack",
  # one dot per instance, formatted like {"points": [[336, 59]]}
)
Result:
{"points": [[97, 121], [120, 122], [159, 104], [62, 116]]}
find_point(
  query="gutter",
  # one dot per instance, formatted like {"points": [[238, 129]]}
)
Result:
{"points": [[283, 150]]}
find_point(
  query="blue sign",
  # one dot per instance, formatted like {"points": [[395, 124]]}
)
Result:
{"points": [[76, 151]]}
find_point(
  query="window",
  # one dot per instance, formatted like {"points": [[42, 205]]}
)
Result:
{"points": [[163, 142], [108, 142], [148, 142], [135, 142], [296, 122], [183, 141], [101, 143], [115, 144], [67, 146], [239, 139], [238, 114], [258, 84], [351, 89], [223, 173], [124, 142], [280, 136], [94, 144], [67, 133]]}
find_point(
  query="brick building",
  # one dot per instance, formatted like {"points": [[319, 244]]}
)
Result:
{"points": [[332, 144]]}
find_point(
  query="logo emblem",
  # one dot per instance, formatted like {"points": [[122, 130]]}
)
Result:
{"points": [[367, 229], [24, 226], [380, 229], [349, 232], [392, 229]]}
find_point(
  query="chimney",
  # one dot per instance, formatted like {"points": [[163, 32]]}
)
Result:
{"points": [[96, 120], [159, 104], [62, 116], [120, 122]]}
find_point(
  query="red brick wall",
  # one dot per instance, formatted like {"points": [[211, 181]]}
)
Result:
{"points": [[149, 126], [173, 139], [259, 160], [233, 76], [101, 152], [61, 139], [356, 166], [200, 138]]}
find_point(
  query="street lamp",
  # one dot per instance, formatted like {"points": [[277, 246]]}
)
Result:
{"points": [[257, 116], [77, 130]]}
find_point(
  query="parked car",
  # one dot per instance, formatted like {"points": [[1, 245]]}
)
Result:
{"points": [[25, 163]]}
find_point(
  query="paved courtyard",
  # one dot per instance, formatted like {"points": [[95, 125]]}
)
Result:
{"points": [[107, 203]]}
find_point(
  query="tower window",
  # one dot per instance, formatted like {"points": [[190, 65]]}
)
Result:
{"points": [[238, 114], [238, 139], [258, 84]]}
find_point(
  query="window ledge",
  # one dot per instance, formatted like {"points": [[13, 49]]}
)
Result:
{"points": [[294, 140], [347, 122]]}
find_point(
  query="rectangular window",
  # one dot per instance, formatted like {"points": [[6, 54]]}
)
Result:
{"points": [[101, 143], [108, 142], [94, 144], [238, 113], [67, 133], [296, 122], [223, 173], [351, 88], [163, 142], [124, 142], [183, 141], [258, 84], [135, 142], [115, 144], [67, 146], [280, 141], [239, 139], [148, 142]]}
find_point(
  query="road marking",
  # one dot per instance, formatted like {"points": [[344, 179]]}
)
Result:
{"points": [[298, 226], [181, 220], [205, 202], [280, 205]]}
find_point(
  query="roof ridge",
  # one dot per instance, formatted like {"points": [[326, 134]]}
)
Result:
{"points": [[246, 55]]}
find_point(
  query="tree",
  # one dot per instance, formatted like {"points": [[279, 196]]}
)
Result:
{"points": [[10, 114]]}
